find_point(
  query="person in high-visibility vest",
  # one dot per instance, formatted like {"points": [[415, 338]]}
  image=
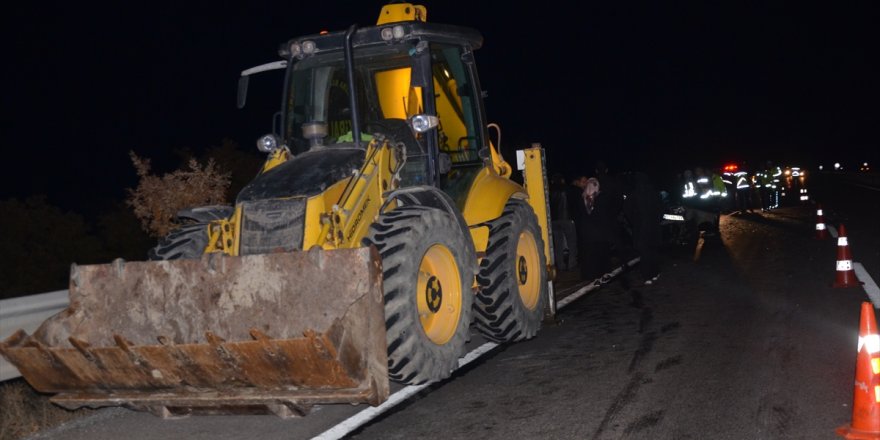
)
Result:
{"points": [[719, 191], [718, 199], [775, 184], [743, 192], [728, 179], [763, 183], [703, 185], [689, 189]]}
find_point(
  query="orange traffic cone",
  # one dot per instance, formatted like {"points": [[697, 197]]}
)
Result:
{"points": [[866, 394], [821, 232], [846, 276]]}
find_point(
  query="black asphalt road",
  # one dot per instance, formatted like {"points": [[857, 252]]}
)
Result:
{"points": [[748, 342]]}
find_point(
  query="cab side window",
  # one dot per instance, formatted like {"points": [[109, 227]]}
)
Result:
{"points": [[456, 104]]}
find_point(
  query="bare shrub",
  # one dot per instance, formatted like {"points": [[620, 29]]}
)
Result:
{"points": [[157, 199], [242, 164]]}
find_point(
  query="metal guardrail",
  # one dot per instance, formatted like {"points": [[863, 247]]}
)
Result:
{"points": [[26, 312]]}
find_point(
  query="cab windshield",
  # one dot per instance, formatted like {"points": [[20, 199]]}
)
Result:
{"points": [[319, 93], [318, 109]]}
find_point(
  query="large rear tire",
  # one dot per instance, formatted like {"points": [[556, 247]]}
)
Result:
{"points": [[187, 242], [428, 273], [513, 277]]}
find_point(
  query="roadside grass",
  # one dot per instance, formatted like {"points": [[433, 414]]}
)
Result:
{"points": [[24, 412]]}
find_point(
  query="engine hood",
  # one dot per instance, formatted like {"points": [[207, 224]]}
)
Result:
{"points": [[305, 175]]}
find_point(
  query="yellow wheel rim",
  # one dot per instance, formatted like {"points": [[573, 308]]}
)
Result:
{"points": [[527, 270], [439, 294]]}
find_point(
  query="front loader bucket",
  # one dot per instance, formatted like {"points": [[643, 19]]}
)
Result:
{"points": [[275, 332]]}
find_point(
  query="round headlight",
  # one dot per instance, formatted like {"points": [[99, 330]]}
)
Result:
{"points": [[422, 123], [295, 50], [267, 143], [398, 31], [386, 34], [308, 47]]}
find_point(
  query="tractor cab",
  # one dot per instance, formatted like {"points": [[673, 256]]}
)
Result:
{"points": [[405, 79]]}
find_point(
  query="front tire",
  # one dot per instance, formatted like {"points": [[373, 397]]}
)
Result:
{"points": [[428, 271], [186, 242], [513, 277]]}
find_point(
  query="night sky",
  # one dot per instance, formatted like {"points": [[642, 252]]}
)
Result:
{"points": [[653, 86]]}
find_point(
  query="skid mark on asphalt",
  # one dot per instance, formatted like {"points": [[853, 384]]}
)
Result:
{"points": [[668, 363], [669, 327], [620, 401], [637, 301], [644, 422], [773, 415], [645, 319], [775, 409], [781, 419], [645, 347], [476, 404]]}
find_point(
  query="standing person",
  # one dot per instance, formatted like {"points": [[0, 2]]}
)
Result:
{"points": [[755, 180], [767, 185], [612, 207], [703, 185], [718, 200], [728, 179], [597, 232], [564, 233], [719, 190], [775, 183], [688, 186], [643, 209], [610, 186], [578, 212], [743, 190]]}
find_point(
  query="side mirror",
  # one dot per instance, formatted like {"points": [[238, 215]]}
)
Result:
{"points": [[242, 91], [245, 76]]}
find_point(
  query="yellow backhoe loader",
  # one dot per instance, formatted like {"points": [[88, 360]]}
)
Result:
{"points": [[383, 225]]}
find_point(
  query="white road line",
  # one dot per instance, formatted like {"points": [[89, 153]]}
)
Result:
{"points": [[862, 185], [868, 283], [832, 230], [354, 422], [595, 284], [579, 293]]}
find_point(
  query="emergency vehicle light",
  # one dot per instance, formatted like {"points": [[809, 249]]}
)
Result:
{"points": [[673, 217]]}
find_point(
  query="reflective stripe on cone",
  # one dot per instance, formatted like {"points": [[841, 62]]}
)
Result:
{"points": [[846, 276], [821, 234]]}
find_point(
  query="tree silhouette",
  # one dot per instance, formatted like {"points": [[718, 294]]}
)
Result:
{"points": [[40, 241], [121, 234]]}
